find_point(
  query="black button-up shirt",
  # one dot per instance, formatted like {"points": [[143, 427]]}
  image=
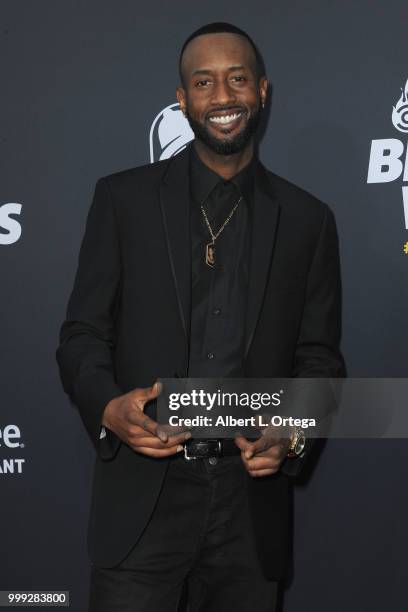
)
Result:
{"points": [[219, 293]]}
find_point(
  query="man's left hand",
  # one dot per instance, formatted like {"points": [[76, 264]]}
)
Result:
{"points": [[264, 456]]}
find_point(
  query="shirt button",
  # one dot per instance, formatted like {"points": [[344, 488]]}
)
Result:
{"points": [[210, 355], [213, 460], [217, 311]]}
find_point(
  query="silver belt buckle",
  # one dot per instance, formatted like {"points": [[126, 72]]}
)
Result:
{"points": [[186, 455], [219, 447], [190, 457]]}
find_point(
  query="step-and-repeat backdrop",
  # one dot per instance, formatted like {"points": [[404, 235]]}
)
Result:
{"points": [[88, 88]]}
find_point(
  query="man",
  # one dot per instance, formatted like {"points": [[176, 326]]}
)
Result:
{"points": [[204, 265]]}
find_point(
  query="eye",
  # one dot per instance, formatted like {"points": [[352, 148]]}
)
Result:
{"points": [[239, 78], [200, 83]]}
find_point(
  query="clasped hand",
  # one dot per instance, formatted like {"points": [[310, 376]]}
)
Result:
{"points": [[265, 455], [125, 416]]}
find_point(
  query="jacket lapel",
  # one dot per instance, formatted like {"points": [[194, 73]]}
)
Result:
{"points": [[175, 207], [264, 225]]}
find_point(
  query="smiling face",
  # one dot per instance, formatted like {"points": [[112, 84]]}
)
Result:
{"points": [[222, 92]]}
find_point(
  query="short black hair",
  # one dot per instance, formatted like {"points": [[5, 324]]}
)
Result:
{"points": [[220, 27]]}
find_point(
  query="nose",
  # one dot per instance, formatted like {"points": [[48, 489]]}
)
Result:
{"points": [[223, 94]]}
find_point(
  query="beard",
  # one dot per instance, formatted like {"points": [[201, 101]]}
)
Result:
{"points": [[226, 146]]}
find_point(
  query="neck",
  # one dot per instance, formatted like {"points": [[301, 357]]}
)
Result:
{"points": [[226, 166]]}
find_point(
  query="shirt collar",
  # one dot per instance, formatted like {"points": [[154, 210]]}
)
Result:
{"points": [[203, 179]]}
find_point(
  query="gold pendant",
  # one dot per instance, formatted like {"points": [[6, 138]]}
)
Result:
{"points": [[210, 254]]}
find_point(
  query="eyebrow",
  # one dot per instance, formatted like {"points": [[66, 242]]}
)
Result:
{"points": [[208, 71]]}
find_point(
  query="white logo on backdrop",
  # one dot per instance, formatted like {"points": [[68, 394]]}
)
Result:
{"points": [[10, 439], [386, 163], [400, 111], [169, 134], [12, 227]]}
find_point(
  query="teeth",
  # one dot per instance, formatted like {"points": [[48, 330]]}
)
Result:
{"points": [[225, 118]]}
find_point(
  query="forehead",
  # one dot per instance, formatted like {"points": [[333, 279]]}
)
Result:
{"points": [[216, 52]]}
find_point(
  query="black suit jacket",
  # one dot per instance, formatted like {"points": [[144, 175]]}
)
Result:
{"points": [[128, 321]]}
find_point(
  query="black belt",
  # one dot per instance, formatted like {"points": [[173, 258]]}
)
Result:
{"points": [[200, 449]]}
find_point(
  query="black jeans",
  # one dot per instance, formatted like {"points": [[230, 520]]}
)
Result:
{"points": [[199, 537]]}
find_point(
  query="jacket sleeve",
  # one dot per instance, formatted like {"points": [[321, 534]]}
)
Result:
{"points": [[318, 347], [87, 336]]}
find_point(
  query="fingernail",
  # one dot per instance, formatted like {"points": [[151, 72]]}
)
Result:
{"points": [[188, 435], [162, 436], [248, 454], [180, 448]]}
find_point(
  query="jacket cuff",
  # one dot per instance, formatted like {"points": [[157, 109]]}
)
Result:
{"points": [[92, 394]]}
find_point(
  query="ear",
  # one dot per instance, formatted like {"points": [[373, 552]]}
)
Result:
{"points": [[263, 89], [181, 98]]}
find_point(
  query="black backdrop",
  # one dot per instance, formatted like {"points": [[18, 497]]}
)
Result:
{"points": [[74, 76]]}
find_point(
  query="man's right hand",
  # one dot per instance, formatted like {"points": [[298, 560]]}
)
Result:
{"points": [[124, 415]]}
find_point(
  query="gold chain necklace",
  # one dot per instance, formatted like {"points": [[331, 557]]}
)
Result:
{"points": [[210, 247]]}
